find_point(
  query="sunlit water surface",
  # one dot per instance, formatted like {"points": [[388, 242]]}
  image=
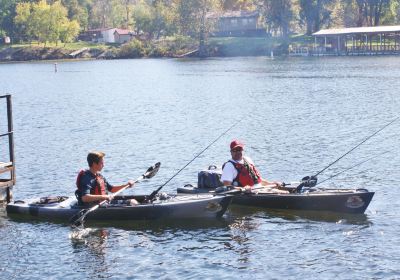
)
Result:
{"points": [[295, 115]]}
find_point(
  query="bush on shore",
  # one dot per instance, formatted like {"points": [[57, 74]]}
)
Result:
{"points": [[132, 49]]}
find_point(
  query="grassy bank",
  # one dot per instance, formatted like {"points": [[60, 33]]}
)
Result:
{"points": [[245, 46]]}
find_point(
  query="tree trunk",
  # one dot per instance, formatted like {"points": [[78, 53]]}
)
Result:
{"points": [[378, 12], [309, 26], [127, 14], [202, 47], [360, 14]]}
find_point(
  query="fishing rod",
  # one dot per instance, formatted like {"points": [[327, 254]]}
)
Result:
{"points": [[366, 139], [153, 194], [311, 181], [358, 164]]}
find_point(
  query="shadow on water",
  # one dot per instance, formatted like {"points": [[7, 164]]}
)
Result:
{"points": [[155, 226], [298, 215], [234, 214]]}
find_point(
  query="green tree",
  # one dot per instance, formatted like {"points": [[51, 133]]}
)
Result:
{"points": [[69, 31], [24, 20], [163, 19], [143, 17], [344, 14], [313, 14], [7, 13], [107, 14], [370, 12], [100, 14], [78, 10], [193, 21], [239, 4], [128, 7], [155, 19], [44, 22], [56, 17], [278, 15], [392, 15]]}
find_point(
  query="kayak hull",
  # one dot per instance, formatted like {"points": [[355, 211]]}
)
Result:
{"points": [[351, 202], [334, 200], [186, 207]]}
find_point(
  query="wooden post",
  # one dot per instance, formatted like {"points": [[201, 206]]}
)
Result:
{"points": [[370, 44], [315, 43], [352, 45], [384, 43], [357, 46]]}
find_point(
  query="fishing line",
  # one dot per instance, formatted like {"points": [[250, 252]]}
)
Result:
{"points": [[152, 195], [337, 174], [369, 137]]}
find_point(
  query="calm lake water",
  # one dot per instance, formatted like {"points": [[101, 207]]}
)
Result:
{"points": [[296, 116]]}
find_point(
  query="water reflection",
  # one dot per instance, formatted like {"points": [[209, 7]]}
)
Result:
{"points": [[90, 248], [3, 215], [159, 226], [155, 226], [241, 239], [298, 215]]}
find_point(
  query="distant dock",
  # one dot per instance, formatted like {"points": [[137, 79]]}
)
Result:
{"points": [[357, 41]]}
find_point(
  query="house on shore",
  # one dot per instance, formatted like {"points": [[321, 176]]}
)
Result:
{"points": [[123, 35], [5, 40], [372, 40], [236, 24], [107, 35]]}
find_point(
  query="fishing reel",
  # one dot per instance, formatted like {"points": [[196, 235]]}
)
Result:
{"points": [[163, 196], [307, 182]]}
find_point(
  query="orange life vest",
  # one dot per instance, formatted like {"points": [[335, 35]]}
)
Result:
{"points": [[248, 174], [99, 189]]}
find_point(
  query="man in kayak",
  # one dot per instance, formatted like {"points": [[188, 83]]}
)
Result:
{"points": [[240, 170], [92, 186]]}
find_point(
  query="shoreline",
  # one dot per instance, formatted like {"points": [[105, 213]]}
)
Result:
{"points": [[228, 48]]}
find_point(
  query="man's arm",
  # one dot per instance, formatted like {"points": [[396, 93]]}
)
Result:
{"points": [[94, 197], [229, 174], [274, 184], [129, 184]]}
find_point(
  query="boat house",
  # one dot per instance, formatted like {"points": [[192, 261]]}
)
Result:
{"points": [[377, 40]]}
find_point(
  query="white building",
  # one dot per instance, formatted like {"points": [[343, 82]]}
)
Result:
{"points": [[107, 35]]}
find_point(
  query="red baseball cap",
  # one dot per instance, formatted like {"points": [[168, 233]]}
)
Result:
{"points": [[236, 144]]}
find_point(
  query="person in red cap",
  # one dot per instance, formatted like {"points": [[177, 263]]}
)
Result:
{"points": [[240, 170]]}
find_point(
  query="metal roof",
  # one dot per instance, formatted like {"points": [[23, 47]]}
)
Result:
{"points": [[358, 30], [123, 31], [232, 14]]}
